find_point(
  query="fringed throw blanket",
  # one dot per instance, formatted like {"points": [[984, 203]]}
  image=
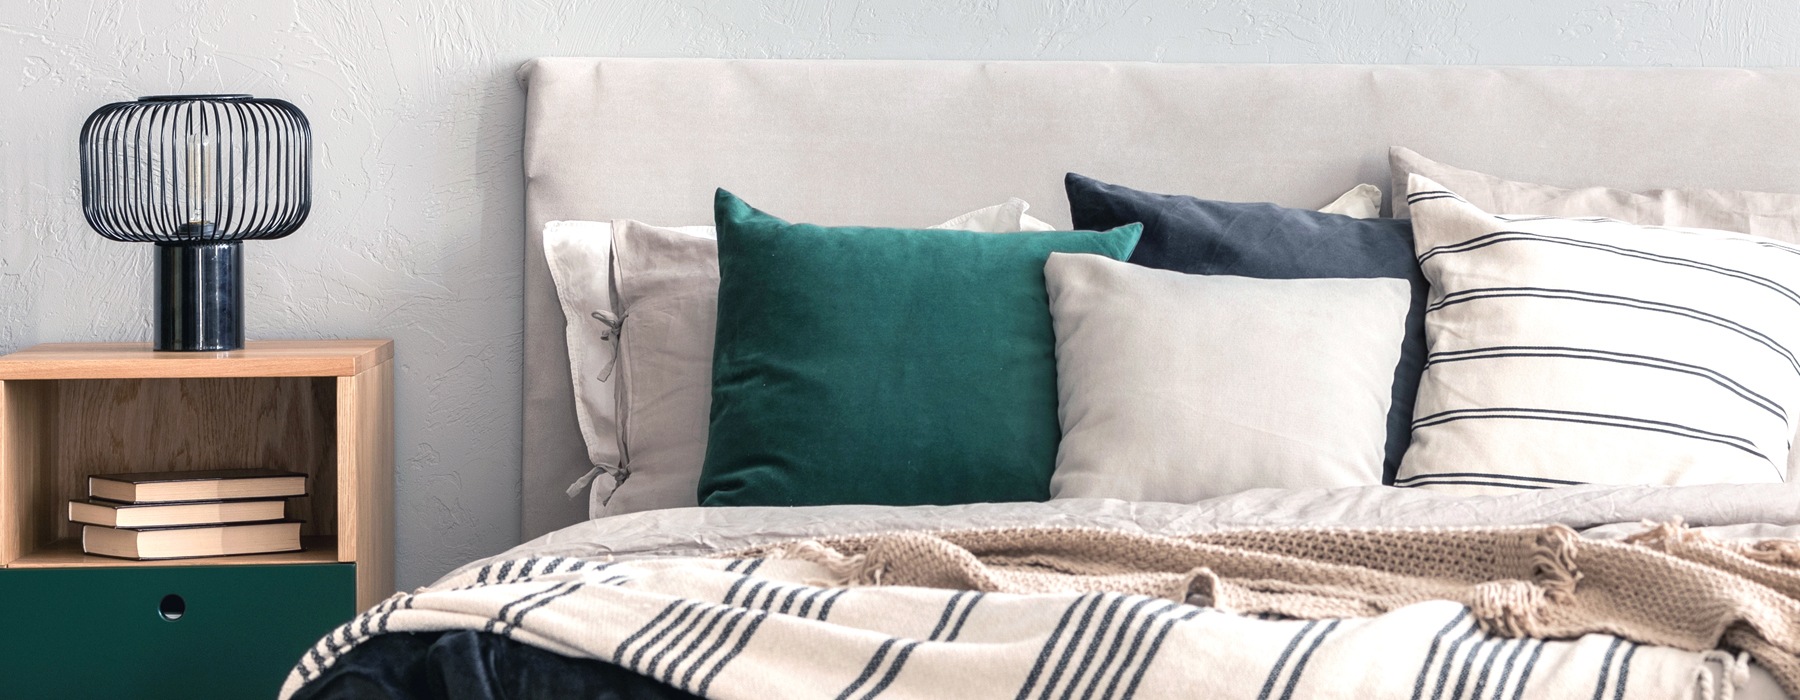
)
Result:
{"points": [[1069, 613]]}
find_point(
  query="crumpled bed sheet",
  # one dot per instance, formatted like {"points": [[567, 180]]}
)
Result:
{"points": [[1752, 511]]}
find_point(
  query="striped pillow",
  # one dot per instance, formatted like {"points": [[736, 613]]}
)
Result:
{"points": [[1571, 351]]}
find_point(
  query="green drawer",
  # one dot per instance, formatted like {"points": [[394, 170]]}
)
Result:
{"points": [[103, 633]]}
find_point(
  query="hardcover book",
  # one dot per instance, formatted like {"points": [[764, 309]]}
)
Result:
{"points": [[185, 542], [202, 485], [114, 514]]}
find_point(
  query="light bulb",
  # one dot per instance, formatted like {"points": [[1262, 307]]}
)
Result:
{"points": [[209, 182], [192, 175], [202, 182]]}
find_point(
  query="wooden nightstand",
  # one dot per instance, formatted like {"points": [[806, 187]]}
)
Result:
{"points": [[89, 626]]}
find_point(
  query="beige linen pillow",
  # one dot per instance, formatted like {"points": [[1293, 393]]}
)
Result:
{"points": [[1179, 388], [580, 257], [1768, 214]]}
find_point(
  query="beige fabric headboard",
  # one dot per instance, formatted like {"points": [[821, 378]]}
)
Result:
{"points": [[903, 142]]}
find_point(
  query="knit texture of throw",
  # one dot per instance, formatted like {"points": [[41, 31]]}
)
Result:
{"points": [[1667, 586]]}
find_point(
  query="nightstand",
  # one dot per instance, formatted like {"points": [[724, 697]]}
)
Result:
{"points": [[90, 626]]}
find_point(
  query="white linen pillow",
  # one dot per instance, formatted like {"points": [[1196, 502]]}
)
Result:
{"points": [[581, 266], [580, 258], [1178, 387], [1361, 202], [1772, 214], [1567, 351]]}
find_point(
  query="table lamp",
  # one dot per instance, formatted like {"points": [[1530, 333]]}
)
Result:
{"points": [[197, 175]]}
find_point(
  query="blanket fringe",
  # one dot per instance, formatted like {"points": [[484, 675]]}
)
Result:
{"points": [[1775, 552], [1660, 535], [1511, 607], [1734, 667], [1508, 608], [845, 569], [1553, 563], [1666, 536], [1201, 588]]}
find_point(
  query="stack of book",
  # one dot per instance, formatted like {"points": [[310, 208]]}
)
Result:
{"points": [[176, 515]]}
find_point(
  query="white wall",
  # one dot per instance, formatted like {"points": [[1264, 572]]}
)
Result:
{"points": [[416, 231]]}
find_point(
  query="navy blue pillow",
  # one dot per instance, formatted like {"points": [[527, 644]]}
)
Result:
{"points": [[1204, 237]]}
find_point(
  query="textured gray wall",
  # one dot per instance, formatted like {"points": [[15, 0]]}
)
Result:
{"points": [[415, 234]]}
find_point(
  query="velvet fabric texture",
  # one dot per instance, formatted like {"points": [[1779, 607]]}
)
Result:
{"points": [[1199, 236], [883, 366], [664, 288]]}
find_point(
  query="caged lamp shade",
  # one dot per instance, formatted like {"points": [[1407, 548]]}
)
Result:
{"points": [[197, 175]]}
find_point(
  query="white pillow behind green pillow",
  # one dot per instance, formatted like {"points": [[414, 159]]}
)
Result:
{"points": [[1177, 387], [580, 256], [665, 284]]}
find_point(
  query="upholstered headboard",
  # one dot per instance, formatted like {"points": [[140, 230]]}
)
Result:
{"points": [[902, 142]]}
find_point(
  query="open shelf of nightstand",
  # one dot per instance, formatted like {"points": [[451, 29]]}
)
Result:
{"points": [[322, 408], [67, 554]]}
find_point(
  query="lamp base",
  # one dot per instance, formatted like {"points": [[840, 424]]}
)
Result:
{"points": [[199, 297]]}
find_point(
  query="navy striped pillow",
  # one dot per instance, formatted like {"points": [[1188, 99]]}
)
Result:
{"points": [[1570, 351]]}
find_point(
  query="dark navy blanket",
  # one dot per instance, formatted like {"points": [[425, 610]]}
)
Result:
{"points": [[469, 665]]}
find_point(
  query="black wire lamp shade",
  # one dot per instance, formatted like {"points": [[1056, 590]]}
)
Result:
{"points": [[197, 175]]}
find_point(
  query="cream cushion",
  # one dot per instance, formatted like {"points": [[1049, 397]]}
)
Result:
{"points": [[1178, 387], [1770, 214]]}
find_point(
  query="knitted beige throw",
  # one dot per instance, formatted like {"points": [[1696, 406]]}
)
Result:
{"points": [[1667, 586]]}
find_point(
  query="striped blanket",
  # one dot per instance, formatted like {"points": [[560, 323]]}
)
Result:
{"points": [[786, 626]]}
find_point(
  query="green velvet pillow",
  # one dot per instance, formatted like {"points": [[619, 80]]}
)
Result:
{"points": [[884, 366]]}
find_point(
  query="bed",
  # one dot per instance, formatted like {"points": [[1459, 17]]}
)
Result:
{"points": [[834, 142]]}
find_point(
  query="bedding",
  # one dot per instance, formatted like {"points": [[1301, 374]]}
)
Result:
{"points": [[1775, 215], [1771, 214], [581, 260], [470, 665], [473, 665], [1178, 387], [1568, 351], [1198, 236], [843, 370], [673, 371], [780, 621], [598, 144], [650, 559], [1360, 202], [579, 254]]}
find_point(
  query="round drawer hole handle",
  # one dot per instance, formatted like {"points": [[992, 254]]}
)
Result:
{"points": [[172, 607]]}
